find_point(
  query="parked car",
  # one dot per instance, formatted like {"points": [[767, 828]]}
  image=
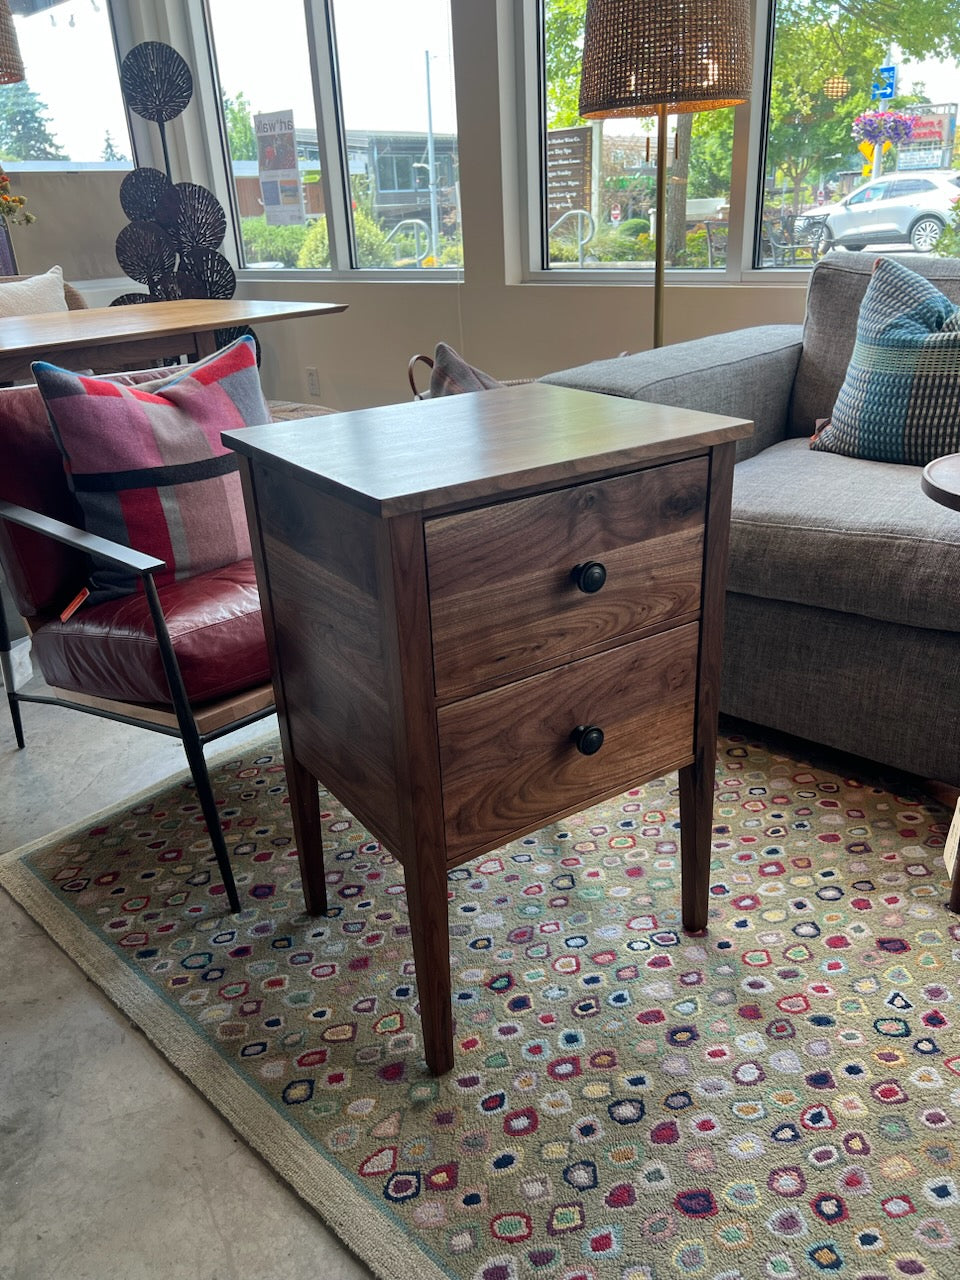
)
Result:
{"points": [[898, 208]]}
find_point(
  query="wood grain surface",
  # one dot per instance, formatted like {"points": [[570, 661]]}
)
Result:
{"points": [[507, 759], [502, 599], [436, 455]]}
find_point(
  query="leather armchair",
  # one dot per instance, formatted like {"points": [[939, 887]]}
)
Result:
{"points": [[187, 659]]}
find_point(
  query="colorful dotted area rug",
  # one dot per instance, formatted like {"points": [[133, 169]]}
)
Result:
{"points": [[777, 1099]]}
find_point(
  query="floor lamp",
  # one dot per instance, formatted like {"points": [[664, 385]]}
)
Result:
{"points": [[11, 63], [662, 57]]}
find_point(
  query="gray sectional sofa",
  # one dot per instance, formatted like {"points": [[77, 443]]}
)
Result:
{"points": [[843, 603]]}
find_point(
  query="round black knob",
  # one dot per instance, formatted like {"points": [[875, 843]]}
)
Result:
{"points": [[589, 576], [587, 738]]}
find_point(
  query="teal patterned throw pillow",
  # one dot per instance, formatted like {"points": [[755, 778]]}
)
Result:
{"points": [[900, 400]]}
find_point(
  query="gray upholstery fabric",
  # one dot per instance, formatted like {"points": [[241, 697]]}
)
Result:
{"points": [[843, 534], [875, 689], [837, 285], [843, 624], [747, 374]]}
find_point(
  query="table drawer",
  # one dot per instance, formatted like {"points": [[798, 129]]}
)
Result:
{"points": [[507, 759], [502, 598]]}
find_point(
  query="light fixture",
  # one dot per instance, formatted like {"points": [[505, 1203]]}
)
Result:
{"points": [[11, 63], [836, 87], [657, 57]]}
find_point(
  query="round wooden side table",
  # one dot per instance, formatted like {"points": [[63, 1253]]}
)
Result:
{"points": [[941, 482]]}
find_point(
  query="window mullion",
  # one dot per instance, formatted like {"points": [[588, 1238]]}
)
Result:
{"points": [[334, 172]]}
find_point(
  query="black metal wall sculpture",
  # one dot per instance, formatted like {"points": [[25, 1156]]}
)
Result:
{"points": [[172, 241]]}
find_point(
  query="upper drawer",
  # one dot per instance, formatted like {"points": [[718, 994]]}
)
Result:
{"points": [[502, 598]]}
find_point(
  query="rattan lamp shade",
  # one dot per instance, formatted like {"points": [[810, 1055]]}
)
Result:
{"points": [[686, 55], [11, 63]]}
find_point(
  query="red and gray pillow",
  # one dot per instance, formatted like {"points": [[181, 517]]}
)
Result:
{"points": [[147, 464]]}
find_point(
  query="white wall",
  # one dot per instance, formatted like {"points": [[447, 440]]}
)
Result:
{"points": [[511, 329]]}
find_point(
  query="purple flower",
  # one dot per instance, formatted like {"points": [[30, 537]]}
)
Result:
{"points": [[883, 126]]}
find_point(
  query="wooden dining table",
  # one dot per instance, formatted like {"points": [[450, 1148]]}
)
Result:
{"points": [[104, 339]]}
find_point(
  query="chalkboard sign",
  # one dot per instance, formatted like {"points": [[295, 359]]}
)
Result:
{"points": [[569, 164]]}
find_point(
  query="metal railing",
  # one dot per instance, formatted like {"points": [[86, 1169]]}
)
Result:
{"points": [[584, 219], [419, 227]]}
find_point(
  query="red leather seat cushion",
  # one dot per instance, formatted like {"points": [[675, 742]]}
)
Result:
{"points": [[110, 649]]}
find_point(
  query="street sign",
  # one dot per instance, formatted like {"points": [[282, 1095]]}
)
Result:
{"points": [[885, 85]]}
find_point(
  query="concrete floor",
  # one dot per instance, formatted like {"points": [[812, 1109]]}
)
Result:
{"points": [[111, 1166]]}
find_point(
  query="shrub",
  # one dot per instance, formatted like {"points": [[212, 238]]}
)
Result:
{"points": [[948, 246], [264, 243], [633, 227], [695, 253], [372, 247]]}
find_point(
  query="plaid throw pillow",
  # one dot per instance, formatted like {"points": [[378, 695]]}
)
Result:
{"points": [[900, 399], [147, 464], [451, 374]]}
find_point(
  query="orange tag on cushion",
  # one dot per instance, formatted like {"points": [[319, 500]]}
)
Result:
{"points": [[74, 604]]}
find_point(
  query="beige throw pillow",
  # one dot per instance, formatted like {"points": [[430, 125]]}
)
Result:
{"points": [[33, 296]]}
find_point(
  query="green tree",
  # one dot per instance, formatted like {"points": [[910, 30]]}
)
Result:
{"points": [[24, 127], [110, 151], [564, 54], [241, 137]]}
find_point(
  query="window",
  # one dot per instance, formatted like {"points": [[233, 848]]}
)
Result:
{"points": [[600, 176], [396, 82], [41, 119], [834, 68], [385, 159], [271, 127]]}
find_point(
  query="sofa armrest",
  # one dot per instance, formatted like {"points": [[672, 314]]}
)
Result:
{"points": [[748, 374]]}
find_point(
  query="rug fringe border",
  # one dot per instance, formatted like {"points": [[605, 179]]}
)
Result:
{"points": [[287, 1153]]}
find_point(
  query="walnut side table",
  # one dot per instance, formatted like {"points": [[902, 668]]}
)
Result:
{"points": [[941, 482], [484, 613]]}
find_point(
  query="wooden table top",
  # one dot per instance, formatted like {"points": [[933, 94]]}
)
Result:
{"points": [[98, 326], [428, 455], [941, 480]]}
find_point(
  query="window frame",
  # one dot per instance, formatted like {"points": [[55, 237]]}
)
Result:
{"points": [[747, 167], [334, 161]]}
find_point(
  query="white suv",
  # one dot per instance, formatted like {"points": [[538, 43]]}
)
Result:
{"points": [[899, 208]]}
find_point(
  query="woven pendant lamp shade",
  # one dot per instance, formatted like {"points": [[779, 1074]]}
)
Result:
{"points": [[11, 63], [685, 55]]}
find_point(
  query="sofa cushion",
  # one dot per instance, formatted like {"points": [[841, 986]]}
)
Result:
{"points": [[837, 285], [900, 400], [147, 463], [747, 374], [845, 534], [110, 649]]}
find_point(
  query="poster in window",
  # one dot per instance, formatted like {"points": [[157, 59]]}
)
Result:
{"points": [[281, 193]]}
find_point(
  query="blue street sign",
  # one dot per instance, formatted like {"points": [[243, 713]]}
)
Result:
{"points": [[885, 85]]}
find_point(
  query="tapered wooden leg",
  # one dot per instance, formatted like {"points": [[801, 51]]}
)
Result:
{"points": [[696, 832], [305, 810], [426, 882]]}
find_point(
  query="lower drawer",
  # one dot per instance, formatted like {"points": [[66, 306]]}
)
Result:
{"points": [[508, 761]]}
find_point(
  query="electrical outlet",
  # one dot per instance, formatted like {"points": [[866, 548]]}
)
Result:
{"points": [[313, 381]]}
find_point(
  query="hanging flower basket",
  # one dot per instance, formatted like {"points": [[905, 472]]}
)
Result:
{"points": [[884, 126]]}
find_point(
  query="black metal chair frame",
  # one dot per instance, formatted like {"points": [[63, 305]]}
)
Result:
{"points": [[183, 723]]}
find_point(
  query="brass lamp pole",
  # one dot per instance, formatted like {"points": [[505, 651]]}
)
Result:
{"points": [[657, 57]]}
